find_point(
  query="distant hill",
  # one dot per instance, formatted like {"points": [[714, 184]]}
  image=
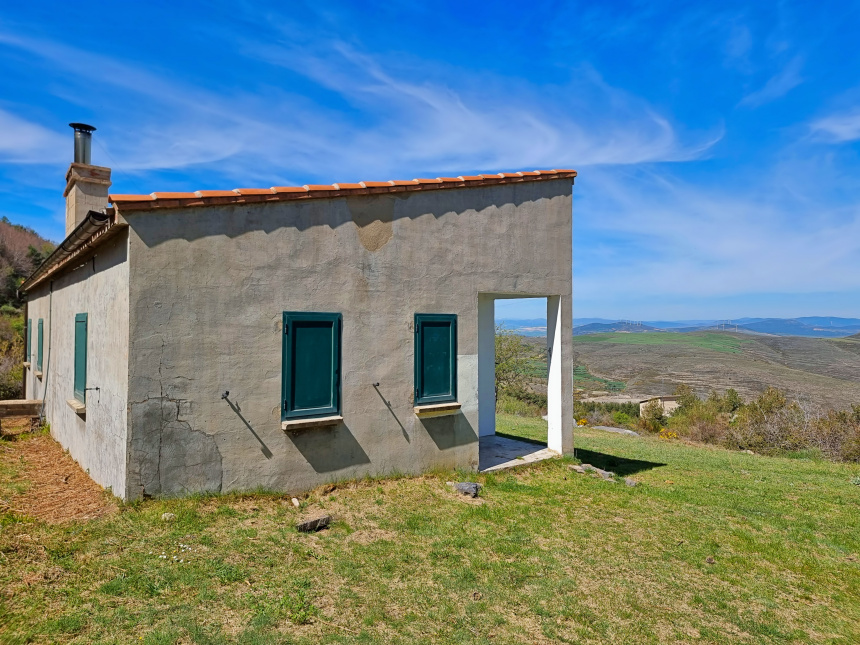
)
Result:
{"points": [[21, 251], [806, 326], [524, 326], [794, 327], [602, 328], [829, 321]]}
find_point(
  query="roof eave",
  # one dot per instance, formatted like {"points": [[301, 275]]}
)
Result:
{"points": [[128, 203]]}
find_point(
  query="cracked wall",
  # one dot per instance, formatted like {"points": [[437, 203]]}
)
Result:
{"points": [[208, 288]]}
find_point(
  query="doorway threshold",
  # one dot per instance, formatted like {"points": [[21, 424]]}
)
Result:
{"points": [[501, 453]]}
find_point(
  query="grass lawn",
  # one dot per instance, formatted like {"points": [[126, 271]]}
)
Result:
{"points": [[543, 556], [531, 428], [702, 340]]}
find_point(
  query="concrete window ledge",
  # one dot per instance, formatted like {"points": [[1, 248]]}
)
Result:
{"points": [[26, 364], [79, 408], [436, 410], [38, 374], [305, 424]]}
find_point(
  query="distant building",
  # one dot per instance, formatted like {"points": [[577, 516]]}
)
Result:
{"points": [[282, 338], [668, 403]]}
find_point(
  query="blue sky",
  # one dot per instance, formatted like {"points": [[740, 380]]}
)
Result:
{"points": [[717, 142]]}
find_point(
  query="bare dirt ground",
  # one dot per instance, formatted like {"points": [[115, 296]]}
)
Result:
{"points": [[825, 372], [57, 490]]}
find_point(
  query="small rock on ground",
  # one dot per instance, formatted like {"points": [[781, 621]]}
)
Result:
{"points": [[296, 502], [314, 524], [577, 468], [630, 481], [168, 517], [466, 488], [606, 474]]}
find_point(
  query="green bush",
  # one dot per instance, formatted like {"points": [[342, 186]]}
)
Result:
{"points": [[769, 424], [513, 405], [622, 419], [581, 409]]}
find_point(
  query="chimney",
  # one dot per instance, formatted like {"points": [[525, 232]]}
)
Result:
{"points": [[86, 185]]}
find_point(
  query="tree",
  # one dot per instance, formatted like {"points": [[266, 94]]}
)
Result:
{"points": [[512, 354]]}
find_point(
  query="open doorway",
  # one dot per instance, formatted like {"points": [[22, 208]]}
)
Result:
{"points": [[504, 441]]}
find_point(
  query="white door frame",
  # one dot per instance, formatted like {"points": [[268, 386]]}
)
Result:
{"points": [[559, 345]]}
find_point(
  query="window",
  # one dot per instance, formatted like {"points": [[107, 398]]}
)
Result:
{"points": [[29, 353], [40, 340], [81, 357], [435, 358], [311, 365]]}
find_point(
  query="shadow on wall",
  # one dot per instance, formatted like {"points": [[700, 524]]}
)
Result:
{"points": [[372, 214], [329, 449], [619, 465], [450, 431]]}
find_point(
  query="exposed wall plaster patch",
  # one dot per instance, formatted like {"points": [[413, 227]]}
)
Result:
{"points": [[373, 217]]}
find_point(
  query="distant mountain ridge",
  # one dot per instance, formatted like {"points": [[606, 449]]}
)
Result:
{"points": [[806, 326]]}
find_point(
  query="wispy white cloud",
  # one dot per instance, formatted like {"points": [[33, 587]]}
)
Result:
{"points": [[405, 123], [778, 85], [650, 233], [838, 128], [23, 141]]}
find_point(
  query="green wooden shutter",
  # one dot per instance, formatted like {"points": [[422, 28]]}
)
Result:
{"points": [[435, 358], [81, 357], [29, 339], [311, 364], [40, 340]]}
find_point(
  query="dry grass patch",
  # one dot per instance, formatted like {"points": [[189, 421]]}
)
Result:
{"points": [[52, 486]]}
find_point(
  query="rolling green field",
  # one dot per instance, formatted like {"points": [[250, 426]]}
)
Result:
{"points": [[700, 340], [711, 546]]}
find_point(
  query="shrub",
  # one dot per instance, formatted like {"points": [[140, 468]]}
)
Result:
{"points": [[622, 419], [581, 409], [652, 418], [11, 357], [511, 405]]}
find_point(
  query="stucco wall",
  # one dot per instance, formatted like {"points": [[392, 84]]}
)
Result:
{"points": [[208, 288], [99, 288]]}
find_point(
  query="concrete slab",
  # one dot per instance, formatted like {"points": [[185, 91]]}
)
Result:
{"points": [[499, 453], [616, 430]]}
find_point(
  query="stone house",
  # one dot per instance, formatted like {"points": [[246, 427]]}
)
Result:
{"points": [[285, 337]]}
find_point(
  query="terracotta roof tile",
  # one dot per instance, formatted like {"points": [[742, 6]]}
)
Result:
{"points": [[173, 195], [279, 193], [216, 193], [131, 198], [290, 189], [254, 191]]}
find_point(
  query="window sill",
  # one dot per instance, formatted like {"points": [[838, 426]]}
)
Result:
{"points": [[79, 408], [436, 410], [39, 375], [26, 364], [304, 424]]}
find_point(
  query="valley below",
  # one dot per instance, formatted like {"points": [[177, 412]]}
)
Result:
{"points": [[821, 371]]}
